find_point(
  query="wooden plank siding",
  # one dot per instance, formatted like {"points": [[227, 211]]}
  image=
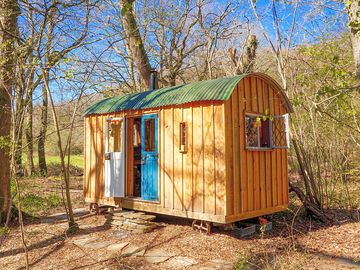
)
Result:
{"points": [[216, 178], [191, 184], [258, 177]]}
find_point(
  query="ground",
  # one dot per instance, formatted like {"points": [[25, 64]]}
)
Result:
{"points": [[307, 244]]}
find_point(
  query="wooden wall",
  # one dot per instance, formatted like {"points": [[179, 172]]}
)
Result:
{"points": [[191, 184], [257, 181], [193, 181], [94, 154], [217, 179]]}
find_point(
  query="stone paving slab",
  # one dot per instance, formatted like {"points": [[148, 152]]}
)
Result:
{"points": [[97, 244], [133, 251], [157, 256], [83, 240], [117, 246]]}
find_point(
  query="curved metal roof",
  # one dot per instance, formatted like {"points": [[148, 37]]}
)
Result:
{"points": [[211, 90]]}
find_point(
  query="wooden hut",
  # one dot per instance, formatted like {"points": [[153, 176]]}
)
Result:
{"points": [[212, 150]]}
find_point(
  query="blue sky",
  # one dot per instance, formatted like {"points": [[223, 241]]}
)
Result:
{"points": [[313, 24]]}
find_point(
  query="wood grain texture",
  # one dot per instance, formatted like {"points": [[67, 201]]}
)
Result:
{"points": [[216, 178], [260, 175]]}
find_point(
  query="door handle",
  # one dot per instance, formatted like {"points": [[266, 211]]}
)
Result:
{"points": [[107, 156]]}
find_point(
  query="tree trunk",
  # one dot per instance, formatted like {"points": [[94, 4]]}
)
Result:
{"points": [[42, 134], [8, 18], [355, 41], [251, 47], [30, 169], [135, 42], [18, 148], [353, 9]]}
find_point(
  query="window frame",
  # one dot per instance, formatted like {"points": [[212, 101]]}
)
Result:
{"points": [[286, 130], [182, 137], [258, 148], [108, 122]]}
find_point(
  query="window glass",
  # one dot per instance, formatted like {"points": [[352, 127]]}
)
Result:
{"points": [[182, 136], [265, 133], [252, 131], [280, 131], [149, 144], [115, 136], [257, 131]]}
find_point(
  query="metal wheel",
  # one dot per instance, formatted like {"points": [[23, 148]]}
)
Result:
{"points": [[94, 207], [201, 226]]}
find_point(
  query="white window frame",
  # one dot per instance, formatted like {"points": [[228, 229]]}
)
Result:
{"points": [[287, 132]]}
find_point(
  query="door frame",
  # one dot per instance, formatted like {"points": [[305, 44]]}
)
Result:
{"points": [[108, 155], [128, 157]]}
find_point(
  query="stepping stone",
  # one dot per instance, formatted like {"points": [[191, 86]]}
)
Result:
{"points": [[97, 245], [84, 240], [117, 246], [134, 251], [157, 256], [180, 262], [120, 233]]}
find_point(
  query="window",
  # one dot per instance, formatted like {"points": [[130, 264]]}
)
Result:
{"points": [[183, 137], [257, 131], [280, 131], [149, 144], [114, 135], [267, 132]]}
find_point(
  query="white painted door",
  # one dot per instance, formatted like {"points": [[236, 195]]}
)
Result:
{"points": [[115, 157]]}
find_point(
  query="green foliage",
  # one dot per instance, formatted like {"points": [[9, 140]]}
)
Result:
{"points": [[4, 231], [327, 105], [5, 143], [329, 71], [241, 262], [126, 8]]}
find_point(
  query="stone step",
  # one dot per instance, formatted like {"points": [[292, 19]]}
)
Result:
{"points": [[131, 221], [132, 216], [137, 220], [134, 228]]}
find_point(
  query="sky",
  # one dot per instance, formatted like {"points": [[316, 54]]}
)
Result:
{"points": [[316, 20]]}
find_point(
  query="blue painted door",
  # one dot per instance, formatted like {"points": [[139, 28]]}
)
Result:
{"points": [[149, 157]]}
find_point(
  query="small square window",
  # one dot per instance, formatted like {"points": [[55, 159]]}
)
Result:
{"points": [[183, 137], [257, 130]]}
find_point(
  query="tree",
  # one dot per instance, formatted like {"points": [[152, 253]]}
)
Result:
{"points": [[9, 12], [135, 42], [353, 11]]}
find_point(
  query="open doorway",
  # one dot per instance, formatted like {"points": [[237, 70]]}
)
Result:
{"points": [[137, 157], [143, 157]]}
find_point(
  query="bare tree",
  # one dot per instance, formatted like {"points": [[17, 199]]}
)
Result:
{"points": [[281, 47]]}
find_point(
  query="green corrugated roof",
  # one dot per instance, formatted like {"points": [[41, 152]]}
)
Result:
{"points": [[218, 89]]}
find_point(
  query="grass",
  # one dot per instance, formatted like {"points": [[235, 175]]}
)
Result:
{"points": [[33, 204], [242, 262], [75, 160]]}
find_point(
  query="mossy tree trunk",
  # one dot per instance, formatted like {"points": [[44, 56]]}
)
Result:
{"points": [[42, 134], [353, 10], [8, 18], [135, 42]]}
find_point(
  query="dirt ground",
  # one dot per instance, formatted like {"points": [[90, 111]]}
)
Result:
{"points": [[306, 245]]}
